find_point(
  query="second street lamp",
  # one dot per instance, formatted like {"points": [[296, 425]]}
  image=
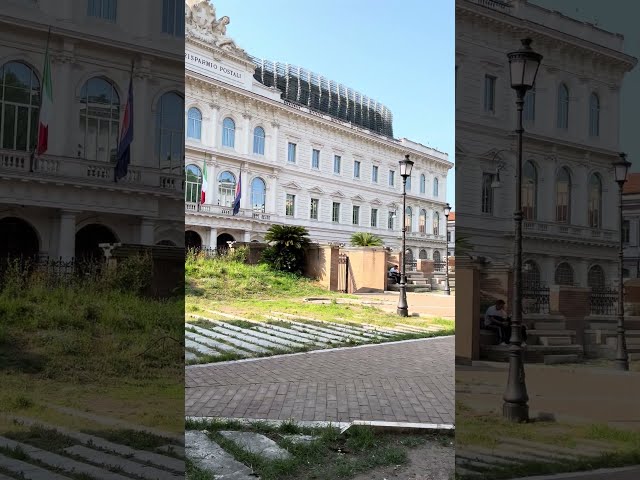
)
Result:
{"points": [[621, 169], [405, 172], [523, 68], [447, 211]]}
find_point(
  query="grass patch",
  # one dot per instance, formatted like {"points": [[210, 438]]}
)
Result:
{"points": [[138, 440]]}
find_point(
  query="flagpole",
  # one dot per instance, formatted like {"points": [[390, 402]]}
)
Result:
{"points": [[46, 58], [115, 168]]}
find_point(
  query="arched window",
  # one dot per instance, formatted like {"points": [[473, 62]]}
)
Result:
{"points": [[194, 124], [423, 184], [595, 200], [228, 133], [436, 223], [422, 222], [564, 274], [563, 106], [409, 255], [437, 258], [258, 141], [193, 184], [563, 196], [226, 189], [408, 184], [529, 112], [258, 194], [170, 131], [530, 274], [423, 255], [408, 218], [596, 278], [19, 106], [594, 115], [100, 119], [529, 191], [435, 187]]}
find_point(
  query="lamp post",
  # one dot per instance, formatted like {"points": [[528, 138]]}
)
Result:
{"points": [[621, 169], [523, 68], [405, 172], [447, 211]]}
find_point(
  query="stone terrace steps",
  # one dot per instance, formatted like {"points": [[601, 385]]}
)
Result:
{"points": [[533, 353]]}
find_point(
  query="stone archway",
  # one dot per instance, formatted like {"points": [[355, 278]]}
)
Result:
{"points": [[18, 239], [223, 238], [192, 240], [88, 239]]}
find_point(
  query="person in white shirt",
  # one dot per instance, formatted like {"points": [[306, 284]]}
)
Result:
{"points": [[496, 319], [394, 273]]}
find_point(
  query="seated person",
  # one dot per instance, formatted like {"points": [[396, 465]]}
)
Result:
{"points": [[394, 274], [496, 319]]}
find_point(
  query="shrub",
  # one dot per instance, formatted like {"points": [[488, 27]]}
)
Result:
{"points": [[286, 252], [365, 239]]}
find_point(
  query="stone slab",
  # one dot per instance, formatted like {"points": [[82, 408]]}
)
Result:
{"points": [[300, 439], [312, 338], [127, 466], [289, 336], [58, 461], [258, 444], [251, 348], [198, 347], [278, 342], [250, 339], [209, 456], [27, 470], [172, 448], [554, 341], [200, 338], [558, 359], [321, 332], [189, 355], [484, 456], [550, 450]]}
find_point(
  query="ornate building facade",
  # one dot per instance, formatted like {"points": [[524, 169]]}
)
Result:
{"points": [[305, 150], [64, 203], [571, 122]]}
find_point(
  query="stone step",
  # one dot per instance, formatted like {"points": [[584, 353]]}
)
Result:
{"points": [[419, 282], [209, 342], [558, 359], [188, 343], [127, 466], [172, 448], [189, 356], [250, 347], [532, 353], [249, 332], [246, 335], [331, 325], [320, 331], [258, 444], [27, 471], [556, 325], [210, 457], [536, 332], [289, 336], [555, 341]]}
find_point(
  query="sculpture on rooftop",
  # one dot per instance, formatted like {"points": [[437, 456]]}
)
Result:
{"points": [[202, 24]]}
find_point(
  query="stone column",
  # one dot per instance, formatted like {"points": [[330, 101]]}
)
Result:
{"points": [[143, 152], [247, 134], [247, 237], [274, 147], [67, 235], [62, 65], [272, 194], [147, 231], [213, 237], [245, 200], [212, 137], [212, 192]]}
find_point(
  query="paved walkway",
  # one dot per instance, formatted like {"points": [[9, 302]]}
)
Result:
{"points": [[629, 473], [409, 381], [424, 304]]}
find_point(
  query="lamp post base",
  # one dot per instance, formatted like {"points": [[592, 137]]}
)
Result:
{"points": [[403, 311], [447, 291], [515, 412], [403, 306]]}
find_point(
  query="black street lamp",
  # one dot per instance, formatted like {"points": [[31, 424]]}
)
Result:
{"points": [[405, 172], [447, 211], [621, 169], [523, 68]]}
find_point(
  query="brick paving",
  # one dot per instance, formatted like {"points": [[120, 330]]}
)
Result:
{"points": [[396, 382]]}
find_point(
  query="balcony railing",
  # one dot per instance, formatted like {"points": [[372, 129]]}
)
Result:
{"points": [[193, 207], [563, 230], [50, 166]]}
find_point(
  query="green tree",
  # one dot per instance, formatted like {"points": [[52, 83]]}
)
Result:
{"points": [[286, 249], [364, 239], [463, 246]]}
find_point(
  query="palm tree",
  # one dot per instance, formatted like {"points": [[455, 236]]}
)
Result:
{"points": [[287, 247], [364, 239]]}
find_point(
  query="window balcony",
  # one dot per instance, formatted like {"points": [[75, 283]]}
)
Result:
{"points": [[532, 227], [220, 210]]}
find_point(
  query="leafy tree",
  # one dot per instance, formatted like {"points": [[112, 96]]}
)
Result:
{"points": [[364, 239], [286, 249]]}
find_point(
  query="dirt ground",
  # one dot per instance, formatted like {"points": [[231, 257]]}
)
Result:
{"points": [[430, 461]]}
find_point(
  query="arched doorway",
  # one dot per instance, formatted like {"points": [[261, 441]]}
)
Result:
{"points": [[88, 239], [221, 242], [18, 239], [192, 241]]}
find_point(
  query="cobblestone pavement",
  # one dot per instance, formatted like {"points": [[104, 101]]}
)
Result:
{"points": [[410, 381]]}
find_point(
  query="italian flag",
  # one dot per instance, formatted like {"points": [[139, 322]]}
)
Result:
{"points": [[46, 106], [203, 195]]}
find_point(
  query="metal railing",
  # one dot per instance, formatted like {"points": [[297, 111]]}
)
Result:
{"points": [[603, 301], [535, 298]]}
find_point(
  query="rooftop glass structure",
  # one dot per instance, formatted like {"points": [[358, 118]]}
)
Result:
{"points": [[308, 89]]}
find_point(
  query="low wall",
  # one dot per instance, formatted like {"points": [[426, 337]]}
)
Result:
{"points": [[321, 264], [367, 269]]}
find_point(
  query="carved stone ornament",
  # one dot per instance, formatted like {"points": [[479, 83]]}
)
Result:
{"points": [[201, 24]]}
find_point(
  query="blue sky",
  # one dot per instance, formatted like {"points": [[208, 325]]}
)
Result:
{"points": [[403, 56]]}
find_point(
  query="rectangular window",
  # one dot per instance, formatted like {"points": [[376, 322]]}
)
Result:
{"points": [[529, 108], [337, 160], [487, 193], [355, 218], [448, 237], [315, 159], [173, 18], [374, 217], [489, 93], [315, 203], [291, 154], [392, 178], [290, 205], [626, 229], [356, 169], [104, 9], [335, 212], [390, 221], [374, 174]]}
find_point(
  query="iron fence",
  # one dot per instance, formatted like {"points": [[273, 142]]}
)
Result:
{"points": [[50, 270], [411, 265], [535, 298], [439, 267], [604, 301]]}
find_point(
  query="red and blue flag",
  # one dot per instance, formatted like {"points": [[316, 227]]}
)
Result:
{"points": [[126, 137]]}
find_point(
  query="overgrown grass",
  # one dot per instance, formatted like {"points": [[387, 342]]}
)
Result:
{"points": [[330, 456]]}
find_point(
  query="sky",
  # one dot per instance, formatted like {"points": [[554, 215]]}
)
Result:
{"points": [[402, 57], [617, 16]]}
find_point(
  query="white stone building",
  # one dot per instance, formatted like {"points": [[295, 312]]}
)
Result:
{"points": [[571, 122], [66, 202], [328, 163], [631, 226]]}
